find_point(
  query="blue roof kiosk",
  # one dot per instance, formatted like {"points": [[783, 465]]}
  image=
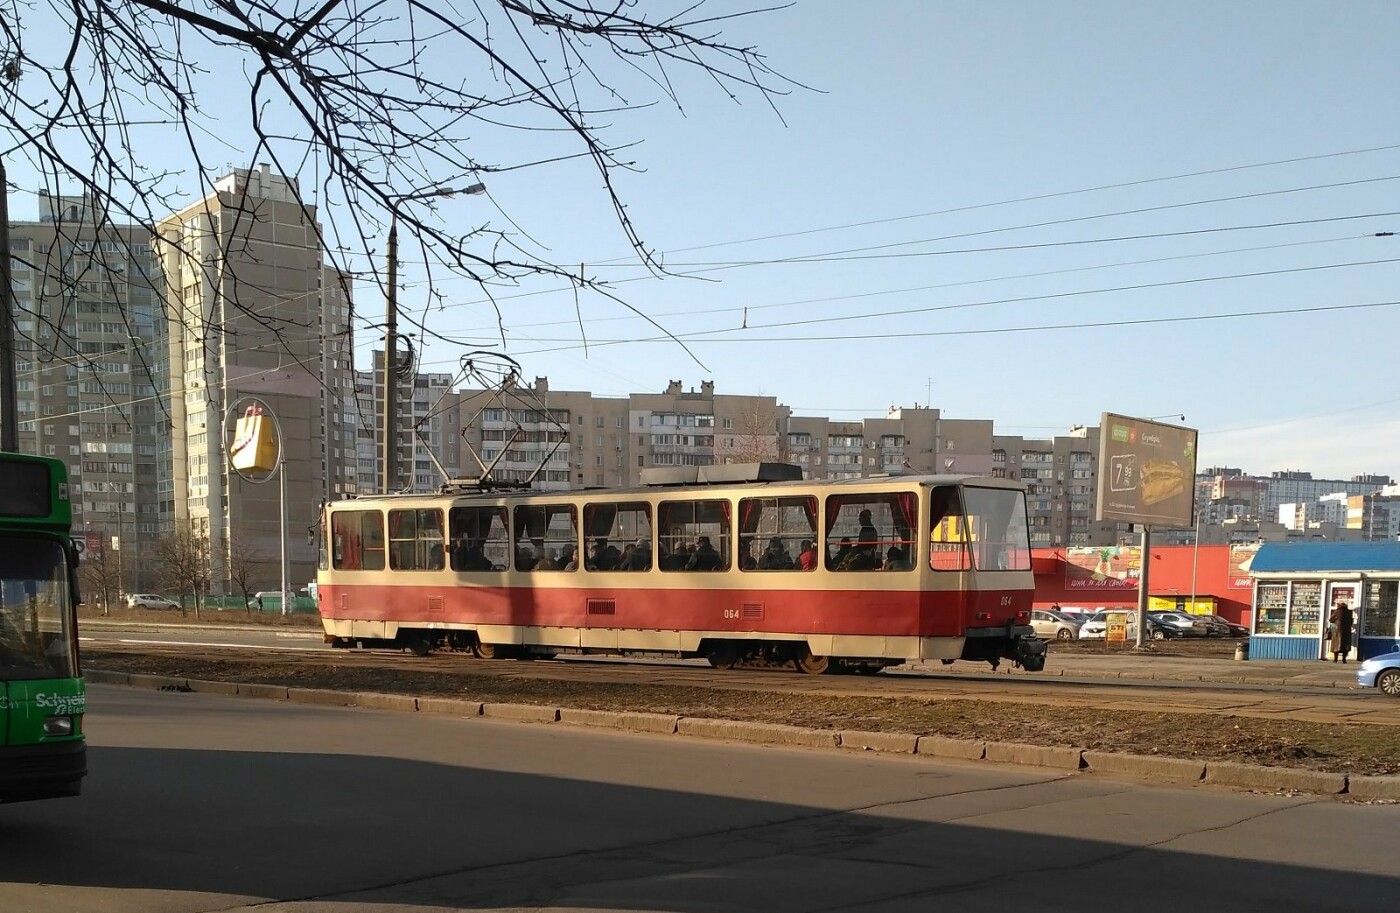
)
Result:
{"points": [[1296, 584]]}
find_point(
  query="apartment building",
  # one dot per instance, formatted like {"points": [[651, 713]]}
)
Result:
{"points": [[1296, 487], [428, 436], [254, 311], [90, 356], [681, 427], [1061, 477]]}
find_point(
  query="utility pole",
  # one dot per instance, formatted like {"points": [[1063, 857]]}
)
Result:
{"points": [[9, 390], [390, 458], [391, 343]]}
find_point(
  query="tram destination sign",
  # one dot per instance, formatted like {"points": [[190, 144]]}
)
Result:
{"points": [[1147, 472]]}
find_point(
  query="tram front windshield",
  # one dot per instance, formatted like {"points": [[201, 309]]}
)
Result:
{"points": [[1000, 537], [36, 620]]}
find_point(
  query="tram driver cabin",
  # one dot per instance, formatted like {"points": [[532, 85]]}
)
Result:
{"points": [[735, 563]]}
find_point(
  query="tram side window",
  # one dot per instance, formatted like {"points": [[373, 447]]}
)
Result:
{"points": [[694, 535], [874, 531], [415, 540], [947, 548], [546, 537], [617, 536], [357, 540], [999, 537], [778, 534], [480, 541]]}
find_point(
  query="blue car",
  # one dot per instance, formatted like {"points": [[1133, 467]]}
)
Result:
{"points": [[1381, 672]]}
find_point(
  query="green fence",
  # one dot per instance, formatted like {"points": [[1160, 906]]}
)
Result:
{"points": [[271, 605]]}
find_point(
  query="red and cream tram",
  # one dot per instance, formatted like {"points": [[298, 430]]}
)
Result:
{"points": [[735, 563]]}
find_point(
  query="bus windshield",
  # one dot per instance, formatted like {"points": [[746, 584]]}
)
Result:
{"points": [[37, 639]]}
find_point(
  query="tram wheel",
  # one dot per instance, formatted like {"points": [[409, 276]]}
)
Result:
{"points": [[485, 651], [812, 665], [724, 655]]}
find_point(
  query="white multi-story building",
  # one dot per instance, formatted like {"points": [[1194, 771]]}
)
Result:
{"points": [[254, 311]]}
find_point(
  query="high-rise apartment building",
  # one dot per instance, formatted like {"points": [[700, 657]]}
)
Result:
{"points": [[90, 356], [428, 430], [254, 311]]}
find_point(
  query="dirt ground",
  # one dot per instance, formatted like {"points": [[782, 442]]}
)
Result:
{"points": [[1340, 747]]}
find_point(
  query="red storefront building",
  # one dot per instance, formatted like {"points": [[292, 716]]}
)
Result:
{"points": [[1203, 579]]}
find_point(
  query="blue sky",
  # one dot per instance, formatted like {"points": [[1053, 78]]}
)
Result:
{"points": [[1058, 134]]}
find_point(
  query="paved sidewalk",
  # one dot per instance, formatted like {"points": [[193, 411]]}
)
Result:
{"points": [[1149, 667]]}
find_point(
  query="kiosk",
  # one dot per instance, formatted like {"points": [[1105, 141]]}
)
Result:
{"points": [[1297, 584]]}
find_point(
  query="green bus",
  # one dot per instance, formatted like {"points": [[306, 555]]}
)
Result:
{"points": [[42, 697]]}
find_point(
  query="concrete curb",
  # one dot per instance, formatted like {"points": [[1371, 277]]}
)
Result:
{"points": [[322, 697], [897, 742], [1219, 773], [763, 733], [1228, 773], [630, 721], [1373, 787], [450, 705], [1146, 767], [158, 682], [521, 713], [1035, 755], [275, 692], [937, 746], [204, 687], [399, 702]]}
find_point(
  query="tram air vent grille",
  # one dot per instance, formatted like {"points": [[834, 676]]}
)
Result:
{"points": [[751, 610], [602, 607]]}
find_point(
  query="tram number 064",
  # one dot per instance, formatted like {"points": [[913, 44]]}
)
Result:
{"points": [[1005, 601], [731, 613]]}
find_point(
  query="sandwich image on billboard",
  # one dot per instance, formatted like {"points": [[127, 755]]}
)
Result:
{"points": [[1147, 472]]}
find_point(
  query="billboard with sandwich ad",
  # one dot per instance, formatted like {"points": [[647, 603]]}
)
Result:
{"points": [[1147, 472]]}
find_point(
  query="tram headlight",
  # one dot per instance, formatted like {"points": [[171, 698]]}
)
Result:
{"points": [[58, 726]]}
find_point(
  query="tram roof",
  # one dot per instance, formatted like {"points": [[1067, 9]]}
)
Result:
{"points": [[877, 483]]}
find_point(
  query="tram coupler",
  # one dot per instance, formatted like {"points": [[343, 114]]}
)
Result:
{"points": [[1029, 653]]}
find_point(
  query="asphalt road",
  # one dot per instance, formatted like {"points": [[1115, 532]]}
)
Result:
{"points": [[203, 803], [1272, 701]]}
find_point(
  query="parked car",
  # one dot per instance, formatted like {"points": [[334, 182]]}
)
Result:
{"points": [[150, 601], [1231, 628], [1096, 628], [1054, 626], [1182, 624], [1381, 672]]}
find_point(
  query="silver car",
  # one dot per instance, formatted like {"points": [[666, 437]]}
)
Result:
{"points": [[150, 601], [1050, 625]]}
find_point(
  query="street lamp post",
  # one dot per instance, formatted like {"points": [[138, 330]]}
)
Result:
{"points": [[390, 451]]}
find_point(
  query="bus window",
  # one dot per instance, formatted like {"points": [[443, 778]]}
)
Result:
{"points": [[607, 525], [947, 548], [694, 535], [357, 537], [546, 537], [415, 540], [996, 518], [35, 637], [875, 531], [480, 541], [778, 534]]}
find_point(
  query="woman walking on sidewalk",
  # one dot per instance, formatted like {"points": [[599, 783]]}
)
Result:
{"points": [[1339, 624]]}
